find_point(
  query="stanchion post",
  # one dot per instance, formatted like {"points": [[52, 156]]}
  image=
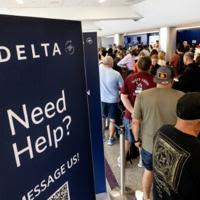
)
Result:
{"points": [[122, 193], [122, 160]]}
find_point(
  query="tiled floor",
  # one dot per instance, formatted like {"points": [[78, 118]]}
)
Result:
{"points": [[103, 196], [133, 172]]}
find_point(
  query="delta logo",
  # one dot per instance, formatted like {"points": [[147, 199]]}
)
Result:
{"points": [[23, 52]]}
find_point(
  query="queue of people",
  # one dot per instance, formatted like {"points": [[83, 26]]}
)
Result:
{"points": [[161, 101]]}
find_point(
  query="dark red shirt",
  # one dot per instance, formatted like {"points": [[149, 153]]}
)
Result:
{"points": [[135, 84]]}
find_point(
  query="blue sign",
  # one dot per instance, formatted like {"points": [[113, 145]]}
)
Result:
{"points": [[45, 151], [92, 74], [189, 35]]}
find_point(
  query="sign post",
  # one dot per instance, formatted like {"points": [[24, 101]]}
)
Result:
{"points": [[45, 151], [93, 87]]}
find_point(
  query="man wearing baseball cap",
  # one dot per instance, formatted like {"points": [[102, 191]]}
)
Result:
{"points": [[176, 160], [153, 108]]}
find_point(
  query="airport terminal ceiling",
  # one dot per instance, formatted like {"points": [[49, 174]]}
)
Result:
{"points": [[49, 3], [108, 17]]}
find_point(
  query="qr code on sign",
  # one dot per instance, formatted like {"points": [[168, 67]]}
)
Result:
{"points": [[61, 194]]}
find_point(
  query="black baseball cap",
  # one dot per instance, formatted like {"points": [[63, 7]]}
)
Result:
{"points": [[188, 106]]}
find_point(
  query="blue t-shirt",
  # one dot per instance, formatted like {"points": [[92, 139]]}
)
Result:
{"points": [[110, 83]]}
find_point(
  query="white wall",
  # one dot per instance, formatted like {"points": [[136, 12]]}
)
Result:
{"points": [[106, 41], [119, 39], [168, 41]]}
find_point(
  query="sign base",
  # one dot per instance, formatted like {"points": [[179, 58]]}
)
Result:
{"points": [[102, 196], [115, 194]]}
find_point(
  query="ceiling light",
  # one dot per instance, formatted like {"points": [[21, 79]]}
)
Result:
{"points": [[133, 1], [20, 1], [101, 1]]}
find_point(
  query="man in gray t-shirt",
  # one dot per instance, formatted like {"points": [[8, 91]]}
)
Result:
{"points": [[153, 108]]}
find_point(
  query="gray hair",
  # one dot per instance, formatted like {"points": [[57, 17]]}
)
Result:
{"points": [[189, 55]]}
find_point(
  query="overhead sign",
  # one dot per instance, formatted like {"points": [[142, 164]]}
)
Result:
{"points": [[45, 150]]}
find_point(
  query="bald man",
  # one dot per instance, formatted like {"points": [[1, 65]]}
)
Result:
{"points": [[110, 84]]}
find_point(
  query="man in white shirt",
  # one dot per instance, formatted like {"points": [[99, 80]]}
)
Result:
{"points": [[128, 61]]}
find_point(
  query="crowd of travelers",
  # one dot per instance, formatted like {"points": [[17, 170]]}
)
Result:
{"points": [[160, 100]]}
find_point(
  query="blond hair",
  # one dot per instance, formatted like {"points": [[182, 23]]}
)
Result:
{"points": [[161, 55]]}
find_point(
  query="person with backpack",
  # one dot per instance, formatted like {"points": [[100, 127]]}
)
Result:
{"points": [[134, 84]]}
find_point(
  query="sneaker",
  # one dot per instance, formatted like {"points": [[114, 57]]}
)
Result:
{"points": [[111, 141], [119, 162], [138, 195], [140, 165]]}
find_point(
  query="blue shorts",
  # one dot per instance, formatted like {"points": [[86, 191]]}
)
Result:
{"points": [[147, 160], [128, 131], [109, 110]]}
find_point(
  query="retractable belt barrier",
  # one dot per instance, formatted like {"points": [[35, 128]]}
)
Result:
{"points": [[122, 193]]}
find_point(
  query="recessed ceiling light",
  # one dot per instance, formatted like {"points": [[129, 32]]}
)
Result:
{"points": [[102, 1], [133, 1], [20, 1]]}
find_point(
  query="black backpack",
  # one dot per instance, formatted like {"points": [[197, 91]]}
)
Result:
{"points": [[133, 153]]}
